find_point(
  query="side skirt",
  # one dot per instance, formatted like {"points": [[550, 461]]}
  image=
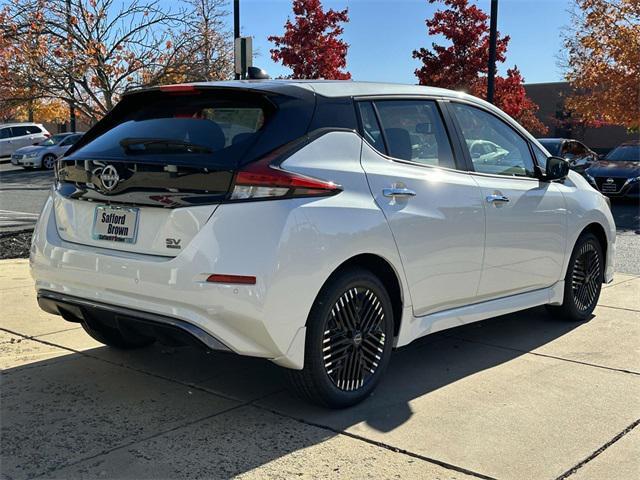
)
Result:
{"points": [[455, 317]]}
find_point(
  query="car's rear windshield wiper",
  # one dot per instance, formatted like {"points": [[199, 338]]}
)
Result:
{"points": [[161, 145]]}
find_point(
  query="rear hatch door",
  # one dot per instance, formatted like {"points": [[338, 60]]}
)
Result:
{"points": [[149, 175]]}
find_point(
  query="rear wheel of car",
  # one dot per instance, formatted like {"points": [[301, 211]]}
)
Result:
{"points": [[349, 341], [113, 337], [48, 161], [583, 281]]}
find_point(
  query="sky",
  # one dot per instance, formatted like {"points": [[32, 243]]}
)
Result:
{"points": [[382, 34]]}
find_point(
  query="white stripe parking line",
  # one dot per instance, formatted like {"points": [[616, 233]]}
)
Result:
{"points": [[22, 214]]}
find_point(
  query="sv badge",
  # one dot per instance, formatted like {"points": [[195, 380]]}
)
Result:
{"points": [[173, 242]]}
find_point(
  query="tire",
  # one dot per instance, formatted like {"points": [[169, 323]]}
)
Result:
{"points": [[113, 337], [352, 315], [48, 161], [582, 282]]}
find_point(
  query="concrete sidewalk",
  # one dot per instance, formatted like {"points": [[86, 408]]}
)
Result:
{"points": [[516, 397]]}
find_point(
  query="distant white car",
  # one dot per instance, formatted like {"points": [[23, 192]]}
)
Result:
{"points": [[44, 154], [318, 224], [17, 135]]}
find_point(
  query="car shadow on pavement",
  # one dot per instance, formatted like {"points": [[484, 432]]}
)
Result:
{"points": [[167, 412]]}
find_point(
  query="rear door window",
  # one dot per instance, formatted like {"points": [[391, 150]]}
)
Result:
{"points": [[370, 126], [5, 133], [19, 131], [413, 130], [31, 129]]}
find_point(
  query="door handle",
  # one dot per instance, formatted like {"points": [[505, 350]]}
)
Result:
{"points": [[497, 198], [398, 192]]}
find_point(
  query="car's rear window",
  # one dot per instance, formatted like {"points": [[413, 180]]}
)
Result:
{"points": [[174, 127]]}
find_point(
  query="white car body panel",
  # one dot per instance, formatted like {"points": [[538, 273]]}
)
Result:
{"points": [[75, 222], [434, 243], [291, 246], [525, 237], [440, 231]]}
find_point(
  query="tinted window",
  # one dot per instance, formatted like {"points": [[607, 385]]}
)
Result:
{"points": [[5, 133], [32, 129], [624, 153], [19, 131], [198, 128], [552, 146], [579, 149], [370, 126], [507, 153], [413, 130], [70, 140]]}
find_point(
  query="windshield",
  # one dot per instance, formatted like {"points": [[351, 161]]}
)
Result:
{"points": [[552, 146], [54, 140], [201, 128], [624, 153]]}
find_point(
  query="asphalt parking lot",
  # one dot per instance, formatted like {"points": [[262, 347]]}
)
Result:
{"points": [[515, 397]]}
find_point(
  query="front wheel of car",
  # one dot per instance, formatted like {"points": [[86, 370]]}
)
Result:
{"points": [[48, 161], [349, 341], [583, 280]]}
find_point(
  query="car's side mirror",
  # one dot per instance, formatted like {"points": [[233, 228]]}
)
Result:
{"points": [[557, 169]]}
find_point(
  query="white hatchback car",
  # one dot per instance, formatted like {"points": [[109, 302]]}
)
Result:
{"points": [[17, 135], [317, 224]]}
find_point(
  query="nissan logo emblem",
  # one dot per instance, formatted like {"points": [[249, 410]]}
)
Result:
{"points": [[109, 177], [609, 180]]}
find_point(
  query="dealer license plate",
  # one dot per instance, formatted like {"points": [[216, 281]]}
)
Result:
{"points": [[116, 224]]}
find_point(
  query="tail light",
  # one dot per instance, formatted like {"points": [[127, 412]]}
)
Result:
{"points": [[47, 135], [264, 180]]}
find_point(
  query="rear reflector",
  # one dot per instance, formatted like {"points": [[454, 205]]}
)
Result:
{"points": [[242, 279]]}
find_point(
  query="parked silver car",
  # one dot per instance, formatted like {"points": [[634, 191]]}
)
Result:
{"points": [[16, 135], [44, 154]]}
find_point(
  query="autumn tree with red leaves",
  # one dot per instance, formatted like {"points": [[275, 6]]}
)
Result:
{"points": [[311, 45], [90, 52], [463, 65]]}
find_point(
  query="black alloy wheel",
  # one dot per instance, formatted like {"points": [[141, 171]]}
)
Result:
{"points": [[586, 277], [354, 339], [583, 280], [349, 340]]}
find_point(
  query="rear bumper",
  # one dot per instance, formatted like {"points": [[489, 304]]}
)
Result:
{"points": [[76, 309], [168, 290]]}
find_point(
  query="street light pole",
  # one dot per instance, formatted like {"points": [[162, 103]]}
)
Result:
{"points": [[236, 27], [72, 107], [493, 38]]}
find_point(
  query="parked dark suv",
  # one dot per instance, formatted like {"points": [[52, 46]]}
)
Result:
{"points": [[618, 174], [579, 156]]}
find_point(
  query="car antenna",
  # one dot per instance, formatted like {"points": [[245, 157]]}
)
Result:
{"points": [[256, 73]]}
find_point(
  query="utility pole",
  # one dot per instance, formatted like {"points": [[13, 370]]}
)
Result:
{"points": [[236, 27], [72, 107], [493, 38]]}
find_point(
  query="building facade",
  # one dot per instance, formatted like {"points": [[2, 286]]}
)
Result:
{"points": [[550, 97]]}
